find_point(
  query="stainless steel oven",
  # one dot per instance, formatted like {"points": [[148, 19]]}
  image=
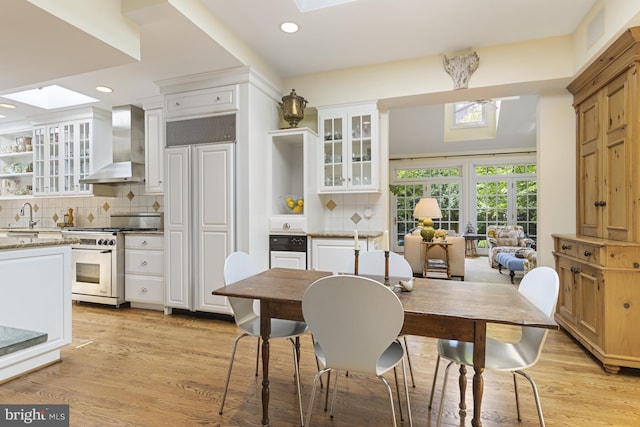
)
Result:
{"points": [[98, 257], [96, 273]]}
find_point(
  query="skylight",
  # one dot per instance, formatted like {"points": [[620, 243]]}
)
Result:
{"points": [[50, 97], [309, 5]]}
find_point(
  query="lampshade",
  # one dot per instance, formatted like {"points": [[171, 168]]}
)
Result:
{"points": [[427, 207]]}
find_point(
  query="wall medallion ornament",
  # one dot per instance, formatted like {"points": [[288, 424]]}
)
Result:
{"points": [[460, 68]]}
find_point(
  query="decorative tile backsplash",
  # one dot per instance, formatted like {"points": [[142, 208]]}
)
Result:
{"points": [[88, 211], [344, 212]]}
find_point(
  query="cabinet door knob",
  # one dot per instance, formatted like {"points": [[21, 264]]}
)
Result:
{"points": [[565, 247], [143, 243], [143, 290], [587, 253], [143, 263], [574, 270], [286, 226]]}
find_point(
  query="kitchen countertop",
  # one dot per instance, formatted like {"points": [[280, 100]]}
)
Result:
{"points": [[32, 242], [343, 234], [152, 232], [14, 339]]}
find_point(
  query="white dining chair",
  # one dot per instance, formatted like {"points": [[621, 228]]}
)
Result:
{"points": [[355, 322], [372, 262], [238, 266], [540, 286]]}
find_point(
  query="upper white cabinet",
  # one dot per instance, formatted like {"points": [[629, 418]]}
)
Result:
{"points": [[349, 152], [16, 163], [154, 151], [68, 150], [201, 102], [293, 170]]}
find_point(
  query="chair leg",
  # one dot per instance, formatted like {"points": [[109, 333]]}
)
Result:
{"points": [[296, 348], [335, 390], [233, 355], [515, 390], [393, 409], [535, 395], [395, 376], [313, 393], [326, 397], [258, 356], [444, 388], [406, 350], [433, 384], [406, 393]]}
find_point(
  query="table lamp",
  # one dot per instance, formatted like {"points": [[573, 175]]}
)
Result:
{"points": [[427, 209]]}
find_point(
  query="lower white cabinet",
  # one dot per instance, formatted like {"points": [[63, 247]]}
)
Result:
{"points": [[288, 259], [335, 254], [144, 270]]}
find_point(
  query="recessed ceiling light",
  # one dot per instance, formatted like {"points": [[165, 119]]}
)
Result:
{"points": [[289, 27], [104, 89], [9, 106]]}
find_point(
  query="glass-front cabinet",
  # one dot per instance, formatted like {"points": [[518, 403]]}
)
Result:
{"points": [[349, 149], [16, 161], [68, 151]]}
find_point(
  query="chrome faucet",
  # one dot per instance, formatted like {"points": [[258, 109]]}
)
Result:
{"points": [[31, 221]]}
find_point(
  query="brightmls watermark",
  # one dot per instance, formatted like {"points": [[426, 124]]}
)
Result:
{"points": [[34, 415]]}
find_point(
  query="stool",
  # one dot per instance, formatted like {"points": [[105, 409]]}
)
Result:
{"points": [[510, 262]]}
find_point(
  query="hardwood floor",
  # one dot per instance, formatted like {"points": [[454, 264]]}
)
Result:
{"points": [[141, 368]]}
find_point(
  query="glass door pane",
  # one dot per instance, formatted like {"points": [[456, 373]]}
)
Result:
{"points": [[333, 167]]}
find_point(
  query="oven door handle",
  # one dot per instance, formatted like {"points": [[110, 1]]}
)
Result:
{"points": [[108, 251]]}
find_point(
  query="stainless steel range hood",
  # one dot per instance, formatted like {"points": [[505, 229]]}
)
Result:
{"points": [[128, 149]]}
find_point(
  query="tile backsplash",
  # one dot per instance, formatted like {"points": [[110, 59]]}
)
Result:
{"points": [[88, 211]]}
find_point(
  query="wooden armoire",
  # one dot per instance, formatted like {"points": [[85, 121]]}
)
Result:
{"points": [[599, 267]]}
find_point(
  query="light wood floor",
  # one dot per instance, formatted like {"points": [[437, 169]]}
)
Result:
{"points": [[132, 367]]}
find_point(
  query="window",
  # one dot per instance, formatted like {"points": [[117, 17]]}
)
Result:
{"points": [[469, 114], [506, 195], [443, 183]]}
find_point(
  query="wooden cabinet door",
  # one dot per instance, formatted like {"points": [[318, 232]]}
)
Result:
{"points": [[618, 166], [567, 297], [590, 315], [589, 166]]}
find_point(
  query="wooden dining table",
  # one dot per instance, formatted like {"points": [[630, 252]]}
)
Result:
{"points": [[434, 308]]}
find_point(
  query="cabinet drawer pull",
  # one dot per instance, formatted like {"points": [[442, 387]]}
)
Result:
{"points": [[565, 247], [143, 290], [626, 305], [143, 263], [574, 270], [636, 265], [144, 243], [587, 253]]}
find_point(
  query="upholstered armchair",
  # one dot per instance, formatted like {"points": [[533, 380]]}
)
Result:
{"points": [[414, 253], [507, 238]]}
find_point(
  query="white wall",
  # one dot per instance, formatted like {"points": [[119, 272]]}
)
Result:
{"points": [[556, 172]]}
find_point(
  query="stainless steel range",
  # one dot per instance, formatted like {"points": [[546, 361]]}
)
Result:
{"points": [[98, 259]]}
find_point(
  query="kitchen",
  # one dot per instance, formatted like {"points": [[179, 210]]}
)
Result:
{"points": [[257, 119]]}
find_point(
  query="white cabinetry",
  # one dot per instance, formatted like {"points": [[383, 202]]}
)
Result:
{"points": [[68, 150], [201, 102], [288, 259], [199, 224], [336, 254], [349, 153], [154, 151], [16, 164], [293, 171], [144, 270]]}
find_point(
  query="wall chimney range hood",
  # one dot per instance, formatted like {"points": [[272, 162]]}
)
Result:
{"points": [[128, 149]]}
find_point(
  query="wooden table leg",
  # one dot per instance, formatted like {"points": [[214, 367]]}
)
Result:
{"points": [[265, 332], [479, 351], [462, 382]]}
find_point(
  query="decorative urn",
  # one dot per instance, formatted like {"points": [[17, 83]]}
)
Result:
{"points": [[293, 108]]}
